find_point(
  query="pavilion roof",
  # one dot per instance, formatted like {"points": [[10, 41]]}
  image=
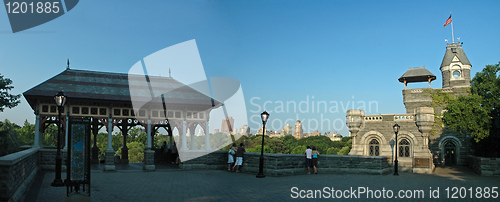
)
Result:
{"points": [[417, 74], [117, 87]]}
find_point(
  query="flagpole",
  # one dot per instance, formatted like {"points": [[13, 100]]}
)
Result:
{"points": [[452, 34]]}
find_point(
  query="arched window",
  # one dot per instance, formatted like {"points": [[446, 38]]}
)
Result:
{"points": [[404, 148], [374, 148]]}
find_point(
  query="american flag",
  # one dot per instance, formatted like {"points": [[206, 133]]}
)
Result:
{"points": [[448, 21]]}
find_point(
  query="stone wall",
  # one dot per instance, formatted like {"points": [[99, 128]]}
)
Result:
{"points": [[17, 171], [48, 158], [484, 166], [215, 160], [291, 164]]}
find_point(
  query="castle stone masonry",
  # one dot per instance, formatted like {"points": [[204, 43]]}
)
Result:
{"points": [[417, 150]]}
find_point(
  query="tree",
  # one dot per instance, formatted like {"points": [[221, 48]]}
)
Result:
{"points": [[26, 134], [332, 150], [478, 114], [258, 149], [299, 150], [344, 151], [6, 99], [440, 100], [8, 138], [466, 115], [276, 145], [135, 152], [50, 135]]}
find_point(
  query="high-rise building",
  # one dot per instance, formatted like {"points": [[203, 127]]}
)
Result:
{"points": [[298, 132], [225, 128]]}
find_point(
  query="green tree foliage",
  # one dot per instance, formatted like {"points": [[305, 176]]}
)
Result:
{"points": [[344, 151], [102, 142], [440, 100], [478, 114], [8, 138], [50, 135], [116, 141], [322, 143], [6, 99], [277, 145], [258, 149], [135, 152], [486, 84], [332, 150], [290, 145], [219, 139], [26, 134], [299, 149], [467, 116]]}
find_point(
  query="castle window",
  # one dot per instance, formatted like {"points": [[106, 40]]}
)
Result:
{"points": [[374, 148], [404, 148], [456, 74]]}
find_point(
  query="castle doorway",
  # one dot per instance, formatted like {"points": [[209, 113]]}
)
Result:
{"points": [[450, 154]]}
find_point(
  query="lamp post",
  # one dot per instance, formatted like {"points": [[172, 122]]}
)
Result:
{"points": [[264, 116], [396, 130], [60, 99]]}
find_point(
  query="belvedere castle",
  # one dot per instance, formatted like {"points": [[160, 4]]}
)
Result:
{"points": [[417, 150]]}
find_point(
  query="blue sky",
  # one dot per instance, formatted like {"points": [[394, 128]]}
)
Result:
{"points": [[281, 51]]}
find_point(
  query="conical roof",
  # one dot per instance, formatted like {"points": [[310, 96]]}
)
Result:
{"points": [[452, 50]]}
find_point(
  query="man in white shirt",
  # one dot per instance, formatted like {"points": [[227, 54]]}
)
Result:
{"points": [[308, 159]]}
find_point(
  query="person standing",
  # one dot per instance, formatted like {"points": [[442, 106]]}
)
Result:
{"points": [[230, 156], [165, 151], [315, 155], [308, 159], [239, 157]]}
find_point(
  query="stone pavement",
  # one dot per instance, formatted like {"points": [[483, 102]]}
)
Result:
{"points": [[130, 183]]}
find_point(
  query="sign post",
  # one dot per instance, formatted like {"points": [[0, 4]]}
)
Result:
{"points": [[78, 162]]}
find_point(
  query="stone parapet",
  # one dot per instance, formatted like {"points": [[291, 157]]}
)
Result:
{"points": [[215, 160], [48, 158], [291, 164], [17, 171], [484, 166]]}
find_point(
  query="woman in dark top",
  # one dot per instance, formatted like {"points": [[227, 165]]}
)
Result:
{"points": [[239, 157]]}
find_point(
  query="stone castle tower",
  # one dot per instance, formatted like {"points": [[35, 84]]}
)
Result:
{"points": [[417, 150], [455, 67]]}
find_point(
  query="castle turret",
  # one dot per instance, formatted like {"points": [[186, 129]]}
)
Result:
{"points": [[455, 67], [354, 119]]}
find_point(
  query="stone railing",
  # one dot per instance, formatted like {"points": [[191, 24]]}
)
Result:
{"points": [[215, 160], [374, 118], [417, 90], [17, 171], [291, 164], [48, 158], [484, 166], [403, 117]]}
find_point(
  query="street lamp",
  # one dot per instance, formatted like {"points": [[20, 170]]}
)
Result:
{"points": [[396, 130], [60, 99], [264, 116]]}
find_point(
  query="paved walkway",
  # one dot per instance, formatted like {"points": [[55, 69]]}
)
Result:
{"points": [[130, 183]]}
